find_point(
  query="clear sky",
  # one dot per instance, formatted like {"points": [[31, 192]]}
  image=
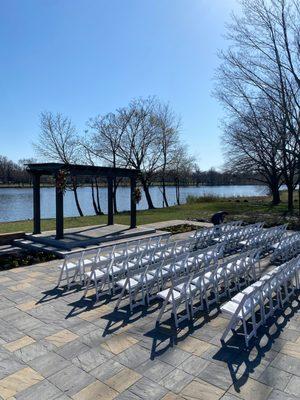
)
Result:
{"points": [[88, 57]]}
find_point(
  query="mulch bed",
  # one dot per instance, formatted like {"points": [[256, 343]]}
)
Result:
{"points": [[182, 228]]}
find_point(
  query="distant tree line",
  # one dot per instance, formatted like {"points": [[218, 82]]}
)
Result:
{"points": [[258, 83], [14, 172]]}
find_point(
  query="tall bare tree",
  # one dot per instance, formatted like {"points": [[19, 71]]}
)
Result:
{"points": [[106, 135], [182, 166], [169, 125], [140, 146], [261, 66], [58, 141]]}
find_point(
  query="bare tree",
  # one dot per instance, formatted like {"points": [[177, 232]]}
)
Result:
{"points": [[260, 70], [169, 126], [106, 135], [182, 166], [140, 146], [58, 141], [250, 147], [88, 155]]}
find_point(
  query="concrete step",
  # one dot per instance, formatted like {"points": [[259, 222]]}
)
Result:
{"points": [[70, 240], [31, 245], [9, 249], [61, 253]]}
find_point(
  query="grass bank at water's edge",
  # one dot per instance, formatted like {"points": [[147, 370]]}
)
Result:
{"points": [[250, 209]]}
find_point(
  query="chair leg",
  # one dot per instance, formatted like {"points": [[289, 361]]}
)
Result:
{"points": [[120, 297], [162, 309], [60, 276]]}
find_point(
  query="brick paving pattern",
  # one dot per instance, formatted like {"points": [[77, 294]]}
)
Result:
{"points": [[56, 345]]}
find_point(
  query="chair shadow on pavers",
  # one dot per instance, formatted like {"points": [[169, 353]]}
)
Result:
{"points": [[167, 332], [57, 292], [121, 317], [243, 361]]}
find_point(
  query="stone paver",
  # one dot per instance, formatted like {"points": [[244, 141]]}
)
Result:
{"points": [[252, 389], [123, 379], [42, 390], [275, 378], [62, 337], [19, 343], [54, 345], [176, 380], [96, 391], [201, 390], [18, 382], [293, 386], [71, 380], [117, 344]]}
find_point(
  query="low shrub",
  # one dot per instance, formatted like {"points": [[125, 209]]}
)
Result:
{"points": [[24, 258]]}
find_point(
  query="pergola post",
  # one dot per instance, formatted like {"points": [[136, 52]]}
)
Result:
{"points": [[132, 203], [59, 197], [110, 205], [36, 179]]}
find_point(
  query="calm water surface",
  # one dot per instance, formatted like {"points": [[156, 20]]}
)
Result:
{"points": [[16, 204]]}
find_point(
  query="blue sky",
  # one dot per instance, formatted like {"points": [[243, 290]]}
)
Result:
{"points": [[88, 57]]}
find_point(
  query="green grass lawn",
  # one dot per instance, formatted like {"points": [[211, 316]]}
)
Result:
{"points": [[248, 209]]}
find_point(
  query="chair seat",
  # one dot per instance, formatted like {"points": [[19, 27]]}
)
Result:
{"points": [[95, 275], [198, 282], [69, 266], [88, 261], [103, 258], [275, 245], [162, 272], [139, 278], [115, 270], [164, 293], [189, 289], [231, 306], [132, 264], [133, 283]]}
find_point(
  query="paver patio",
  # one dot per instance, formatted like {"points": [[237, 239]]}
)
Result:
{"points": [[55, 345]]}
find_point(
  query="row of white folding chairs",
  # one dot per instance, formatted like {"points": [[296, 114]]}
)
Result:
{"points": [[288, 247], [104, 277], [233, 238], [264, 239], [266, 295], [227, 227], [76, 264], [206, 236], [208, 285], [146, 282]]}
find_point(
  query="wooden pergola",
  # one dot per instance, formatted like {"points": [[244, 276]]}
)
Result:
{"points": [[74, 170]]}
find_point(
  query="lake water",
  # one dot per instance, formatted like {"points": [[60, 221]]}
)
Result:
{"points": [[16, 204]]}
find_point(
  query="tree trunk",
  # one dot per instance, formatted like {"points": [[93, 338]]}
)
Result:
{"points": [[290, 189], [76, 200], [275, 194], [98, 198], [164, 192], [115, 195], [147, 193], [299, 199], [177, 193], [93, 197]]}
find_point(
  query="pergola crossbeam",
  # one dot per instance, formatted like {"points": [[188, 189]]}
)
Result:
{"points": [[37, 170]]}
